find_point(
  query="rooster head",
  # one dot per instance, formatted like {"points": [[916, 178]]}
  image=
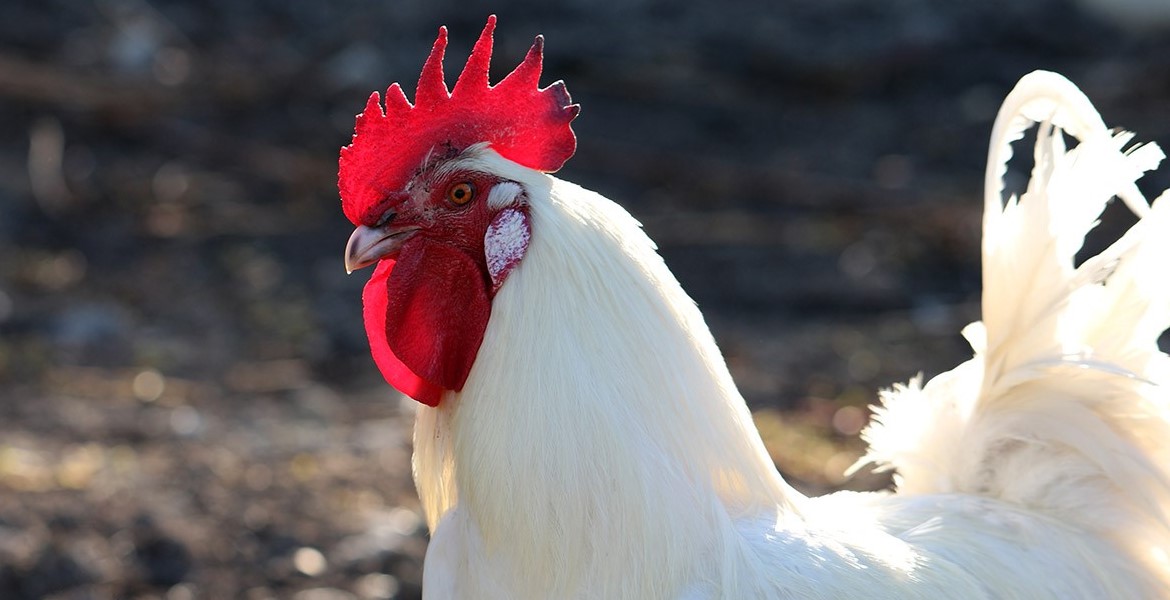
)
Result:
{"points": [[443, 231]]}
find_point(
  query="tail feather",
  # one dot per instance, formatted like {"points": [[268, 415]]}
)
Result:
{"points": [[1065, 407]]}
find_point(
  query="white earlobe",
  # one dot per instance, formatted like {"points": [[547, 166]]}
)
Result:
{"points": [[505, 242]]}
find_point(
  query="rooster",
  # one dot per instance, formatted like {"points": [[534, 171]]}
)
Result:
{"points": [[579, 435]]}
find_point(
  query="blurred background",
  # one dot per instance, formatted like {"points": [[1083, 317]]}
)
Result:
{"points": [[187, 406]]}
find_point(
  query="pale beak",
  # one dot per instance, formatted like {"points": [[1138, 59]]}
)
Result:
{"points": [[368, 245]]}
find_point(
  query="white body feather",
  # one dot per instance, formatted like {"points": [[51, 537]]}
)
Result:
{"points": [[600, 449]]}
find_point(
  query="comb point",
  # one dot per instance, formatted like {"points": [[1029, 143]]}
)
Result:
{"points": [[432, 87], [474, 78]]}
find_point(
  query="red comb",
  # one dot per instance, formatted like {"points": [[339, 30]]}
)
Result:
{"points": [[522, 122]]}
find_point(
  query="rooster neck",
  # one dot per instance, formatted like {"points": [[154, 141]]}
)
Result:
{"points": [[599, 407]]}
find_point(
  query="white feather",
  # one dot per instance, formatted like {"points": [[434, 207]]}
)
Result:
{"points": [[600, 449], [1063, 409]]}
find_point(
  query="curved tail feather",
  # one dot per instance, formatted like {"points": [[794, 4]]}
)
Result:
{"points": [[1065, 406]]}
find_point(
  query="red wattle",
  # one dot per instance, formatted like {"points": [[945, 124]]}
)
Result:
{"points": [[426, 319], [375, 299]]}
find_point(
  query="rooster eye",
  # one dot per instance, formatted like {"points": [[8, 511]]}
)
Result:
{"points": [[461, 193]]}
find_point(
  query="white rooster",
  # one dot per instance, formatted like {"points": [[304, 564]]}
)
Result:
{"points": [[581, 437]]}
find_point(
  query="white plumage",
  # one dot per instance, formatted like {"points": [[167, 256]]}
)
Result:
{"points": [[600, 449]]}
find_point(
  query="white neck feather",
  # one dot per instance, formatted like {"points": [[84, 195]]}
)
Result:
{"points": [[599, 430]]}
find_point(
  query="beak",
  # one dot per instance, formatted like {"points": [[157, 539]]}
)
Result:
{"points": [[368, 245]]}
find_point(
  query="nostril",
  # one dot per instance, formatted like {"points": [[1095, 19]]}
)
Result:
{"points": [[384, 211], [386, 218]]}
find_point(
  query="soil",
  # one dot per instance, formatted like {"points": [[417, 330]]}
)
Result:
{"points": [[187, 405]]}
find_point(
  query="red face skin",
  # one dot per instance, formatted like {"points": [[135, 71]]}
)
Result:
{"points": [[427, 304], [433, 207]]}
